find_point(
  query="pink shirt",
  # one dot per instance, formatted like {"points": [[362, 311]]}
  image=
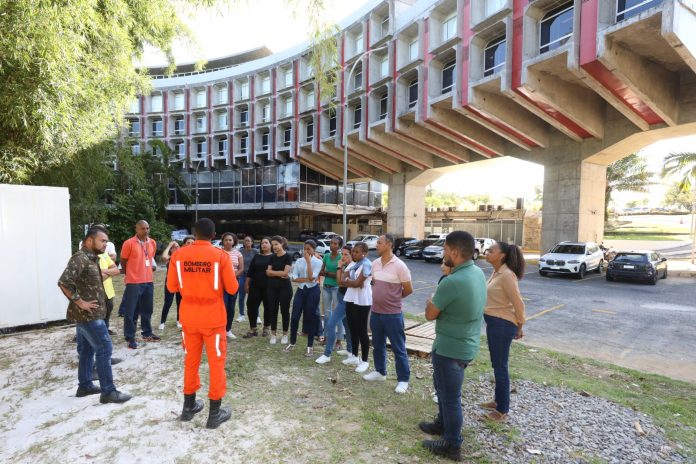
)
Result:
{"points": [[387, 285], [234, 257]]}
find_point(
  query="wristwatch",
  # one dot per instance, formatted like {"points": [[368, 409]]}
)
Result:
{"points": [[75, 297]]}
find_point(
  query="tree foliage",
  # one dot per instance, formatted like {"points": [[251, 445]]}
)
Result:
{"points": [[683, 165], [629, 174], [677, 197]]}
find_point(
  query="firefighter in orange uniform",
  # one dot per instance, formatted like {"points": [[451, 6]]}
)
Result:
{"points": [[200, 273]]}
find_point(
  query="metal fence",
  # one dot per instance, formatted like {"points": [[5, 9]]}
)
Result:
{"points": [[506, 230]]}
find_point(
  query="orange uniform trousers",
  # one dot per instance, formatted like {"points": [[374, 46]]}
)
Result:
{"points": [[215, 342]]}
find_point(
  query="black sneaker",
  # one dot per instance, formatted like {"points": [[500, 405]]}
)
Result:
{"points": [[132, 345], [431, 428], [114, 397], [111, 332], [443, 448], [151, 338], [92, 390], [115, 361]]}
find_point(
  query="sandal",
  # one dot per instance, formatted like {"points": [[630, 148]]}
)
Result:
{"points": [[250, 334], [289, 348], [490, 406], [495, 416], [309, 353]]}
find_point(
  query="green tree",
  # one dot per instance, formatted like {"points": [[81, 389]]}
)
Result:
{"points": [[675, 197], [683, 165], [629, 174]]}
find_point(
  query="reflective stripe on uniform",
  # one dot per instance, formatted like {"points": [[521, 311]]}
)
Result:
{"points": [[183, 339], [217, 273], [178, 273], [217, 344]]}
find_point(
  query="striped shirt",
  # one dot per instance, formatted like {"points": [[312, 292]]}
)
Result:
{"points": [[387, 285], [234, 257]]}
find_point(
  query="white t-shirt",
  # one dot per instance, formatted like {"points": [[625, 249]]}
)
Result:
{"points": [[360, 296], [110, 248]]}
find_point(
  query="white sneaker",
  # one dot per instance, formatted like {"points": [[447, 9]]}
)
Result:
{"points": [[351, 360], [273, 340], [284, 340], [241, 318], [323, 359], [435, 397], [362, 367], [178, 326], [161, 326], [374, 375], [231, 336], [343, 352], [259, 321], [401, 387]]}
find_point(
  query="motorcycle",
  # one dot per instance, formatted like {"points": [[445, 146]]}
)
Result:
{"points": [[609, 252]]}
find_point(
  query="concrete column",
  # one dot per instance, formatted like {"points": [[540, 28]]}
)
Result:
{"points": [[406, 210], [573, 205]]}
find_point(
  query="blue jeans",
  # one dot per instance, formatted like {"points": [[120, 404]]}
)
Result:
{"points": [[329, 300], [500, 333], [389, 326], [241, 294], [168, 300], [93, 341], [137, 300], [230, 301], [338, 316], [448, 377], [305, 304]]}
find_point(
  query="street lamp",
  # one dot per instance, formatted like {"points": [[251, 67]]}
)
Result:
{"points": [[345, 135]]}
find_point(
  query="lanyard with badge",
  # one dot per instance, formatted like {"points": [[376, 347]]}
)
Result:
{"points": [[146, 247]]}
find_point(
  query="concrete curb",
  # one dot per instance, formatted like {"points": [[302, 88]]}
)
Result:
{"points": [[680, 273]]}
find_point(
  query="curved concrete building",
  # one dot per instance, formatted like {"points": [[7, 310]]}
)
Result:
{"points": [[427, 85]]}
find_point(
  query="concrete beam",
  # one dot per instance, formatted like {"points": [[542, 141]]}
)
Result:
{"points": [[380, 160], [511, 122], [334, 155], [655, 85], [410, 155], [582, 106], [451, 124], [421, 137]]}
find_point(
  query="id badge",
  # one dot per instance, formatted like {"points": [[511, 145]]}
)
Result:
{"points": [[147, 263]]}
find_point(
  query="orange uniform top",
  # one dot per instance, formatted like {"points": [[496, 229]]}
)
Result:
{"points": [[200, 273]]}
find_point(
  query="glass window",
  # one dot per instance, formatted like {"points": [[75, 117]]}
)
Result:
{"points": [[292, 193], [383, 106], [178, 101], [413, 50], [222, 120], [384, 67], [270, 175], [288, 78], [248, 195], [449, 27], [156, 104], [287, 107], [134, 128], [179, 126], [357, 116], [269, 194], [266, 112], [222, 95], [359, 43], [157, 128], [222, 147], [357, 79], [180, 148], [243, 144], [493, 6], [310, 99], [287, 136], [556, 27], [385, 27], [244, 117], [448, 77], [200, 98], [309, 131], [201, 148], [332, 123], [200, 123], [264, 140], [413, 93], [244, 90], [494, 56], [134, 106], [628, 8], [265, 84], [135, 149]]}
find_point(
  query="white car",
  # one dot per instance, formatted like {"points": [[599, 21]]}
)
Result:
{"points": [[435, 252], [483, 244], [436, 237], [328, 236], [369, 240], [323, 247], [572, 258]]}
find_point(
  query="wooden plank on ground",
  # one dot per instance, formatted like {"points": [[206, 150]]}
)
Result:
{"points": [[425, 330], [410, 323]]}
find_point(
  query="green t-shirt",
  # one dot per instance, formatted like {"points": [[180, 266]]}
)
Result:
{"points": [[331, 266], [461, 299]]}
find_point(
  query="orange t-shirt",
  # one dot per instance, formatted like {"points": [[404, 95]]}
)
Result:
{"points": [[141, 257], [200, 273]]}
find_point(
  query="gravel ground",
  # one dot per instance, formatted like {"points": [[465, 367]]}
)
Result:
{"points": [[555, 425]]}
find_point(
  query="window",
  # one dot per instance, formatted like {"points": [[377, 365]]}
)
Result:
{"points": [[157, 128], [244, 90], [384, 67], [413, 93], [221, 95], [264, 140], [134, 106], [309, 102], [180, 149], [383, 101], [287, 136], [332, 123], [222, 121], [556, 27], [309, 131], [179, 126], [178, 101], [448, 77], [200, 98], [357, 79], [493, 6], [359, 43], [357, 116], [494, 56], [201, 148], [244, 117], [413, 50], [266, 112], [135, 149], [628, 8], [200, 123], [287, 107], [222, 147], [156, 104], [288, 78], [385, 27], [134, 128], [265, 84], [449, 27], [243, 144]]}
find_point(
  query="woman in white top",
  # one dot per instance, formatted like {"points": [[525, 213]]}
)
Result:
{"points": [[229, 244], [357, 277]]}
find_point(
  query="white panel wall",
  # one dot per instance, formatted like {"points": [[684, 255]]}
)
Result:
{"points": [[34, 249]]}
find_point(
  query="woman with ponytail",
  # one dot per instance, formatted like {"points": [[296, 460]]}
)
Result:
{"points": [[504, 316]]}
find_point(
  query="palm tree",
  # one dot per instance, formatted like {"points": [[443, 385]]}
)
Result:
{"points": [[629, 174], [684, 165]]}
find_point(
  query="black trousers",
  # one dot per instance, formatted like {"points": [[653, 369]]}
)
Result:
{"points": [[279, 299], [109, 310], [255, 297], [357, 316]]}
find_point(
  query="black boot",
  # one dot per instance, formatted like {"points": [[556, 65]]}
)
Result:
{"points": [[192, 406], [217, 415]]}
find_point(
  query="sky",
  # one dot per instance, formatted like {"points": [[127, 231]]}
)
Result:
{"points": [[275, 24]]}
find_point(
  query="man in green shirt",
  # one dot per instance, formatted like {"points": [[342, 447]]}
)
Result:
{"points": [[457, 309]]}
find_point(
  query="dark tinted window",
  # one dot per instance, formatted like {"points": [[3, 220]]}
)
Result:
{"points": [[631, 257], [569, 249], [556, 27]]}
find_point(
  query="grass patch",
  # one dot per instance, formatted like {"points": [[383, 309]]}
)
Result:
{"points": [[646, 236]]}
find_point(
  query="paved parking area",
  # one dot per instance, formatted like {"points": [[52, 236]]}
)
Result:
{"points": [[645, 327]]}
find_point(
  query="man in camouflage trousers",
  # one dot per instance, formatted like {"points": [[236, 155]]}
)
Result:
{"points": [[81, 282]]}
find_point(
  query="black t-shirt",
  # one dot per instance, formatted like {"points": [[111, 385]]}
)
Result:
{"points": [[278, 263], [257, 270]]}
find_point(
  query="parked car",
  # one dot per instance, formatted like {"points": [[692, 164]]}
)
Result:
{"points": [[400, 243], [323, 246], [647, 266], [436, 236], [483, 244], [328, 236], [180, 234], [572, 258], [307, 234], [435, 252], [415, 250], [369, 240], [399, 250]]}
